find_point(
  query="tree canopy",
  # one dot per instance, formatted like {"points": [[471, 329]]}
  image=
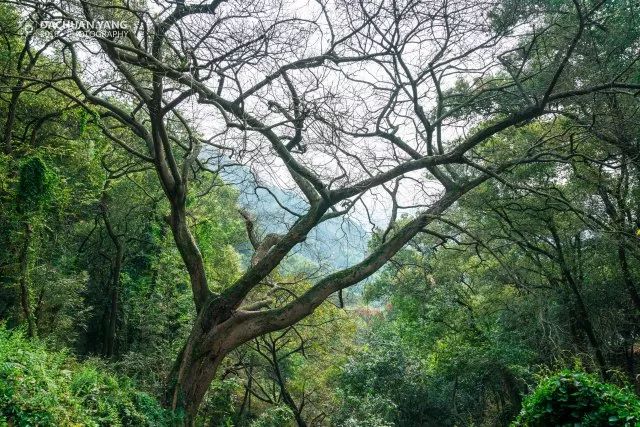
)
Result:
{"points": [[321, 213]]}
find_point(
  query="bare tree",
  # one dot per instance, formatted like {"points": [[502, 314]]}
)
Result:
{"points": [[346, 101]]}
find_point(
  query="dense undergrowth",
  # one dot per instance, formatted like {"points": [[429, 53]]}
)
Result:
{"points": [[49, 388], [579, 399]]}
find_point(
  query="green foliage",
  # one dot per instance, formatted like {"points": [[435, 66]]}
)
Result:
{"points": [[35, 187], [467, 314], [577, 398], [220, 404], [44, 388], [383, 385], [277, 416], [365, 411]]}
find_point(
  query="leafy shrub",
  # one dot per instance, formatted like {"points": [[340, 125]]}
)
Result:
{"points": [[43, 388], [35, 187], [574, 397], [274, 417], [383, 385]]}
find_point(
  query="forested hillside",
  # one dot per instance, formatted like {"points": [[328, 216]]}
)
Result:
{"points": [[319, 213]]}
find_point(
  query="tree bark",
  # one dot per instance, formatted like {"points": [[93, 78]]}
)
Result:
{"points": [[626, 276], [190, 254], [11, 117], [25, 297], [195, 368], [110, 346], [116, 269], [286, 396], [584, 321]]}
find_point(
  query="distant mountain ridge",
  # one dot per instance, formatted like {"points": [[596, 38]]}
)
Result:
{"points": [[335, 243]]}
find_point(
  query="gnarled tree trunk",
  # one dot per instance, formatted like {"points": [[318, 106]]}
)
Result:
{"points": [[197, 363]]}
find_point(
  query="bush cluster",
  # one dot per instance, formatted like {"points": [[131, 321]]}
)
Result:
{"points": [[48, 388], [578, 398]]}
